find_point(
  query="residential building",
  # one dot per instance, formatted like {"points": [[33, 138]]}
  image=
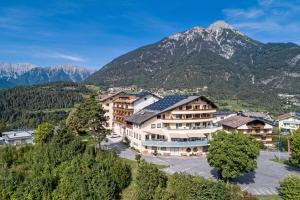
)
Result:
{"points": [[17, 137], [107, 103], [175, 125], [257, 115], [289, 122], [127, 104], [220, 115], [262, 130]]}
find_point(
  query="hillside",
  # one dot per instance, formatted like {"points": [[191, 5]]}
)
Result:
{"points": [[26, 107], [12, 75], [219, 58]]}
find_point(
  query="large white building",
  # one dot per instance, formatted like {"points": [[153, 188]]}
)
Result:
{"points": [[289, 122], [127, 104], [175, 125]]}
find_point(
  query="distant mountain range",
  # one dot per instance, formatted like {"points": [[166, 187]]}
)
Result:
{"points": [[28, 74], [219, 58]]}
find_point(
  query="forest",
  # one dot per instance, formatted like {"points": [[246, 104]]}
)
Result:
{"points": [[28, 106]]}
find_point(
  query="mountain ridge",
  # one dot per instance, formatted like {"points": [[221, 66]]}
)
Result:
{"points": [[28, 74], [218, 57]]}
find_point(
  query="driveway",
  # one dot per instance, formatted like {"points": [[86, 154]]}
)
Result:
{"points": [[264, 181]]}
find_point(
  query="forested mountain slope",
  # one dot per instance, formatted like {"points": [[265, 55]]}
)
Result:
{"points": [[28, 106]]}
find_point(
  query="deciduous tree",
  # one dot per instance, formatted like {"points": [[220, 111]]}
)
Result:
{"points": [[233, 154], [43, 133]]}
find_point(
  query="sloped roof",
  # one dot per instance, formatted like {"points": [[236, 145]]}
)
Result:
{"points": [[236, 121], [141, 116], [288, 115], [222, 113], [163, 105], [257, 115], [104, 98]]}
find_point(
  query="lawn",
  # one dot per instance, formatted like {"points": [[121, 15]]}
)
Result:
{"points": [[269, 197]]}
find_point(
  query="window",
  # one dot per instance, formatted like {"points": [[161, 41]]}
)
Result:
{"points": [[154, 148], [158, 125], [107, 104], [178, 126], [153, 125], [163, 148], [174, 149], [178, 116], [139, 137], [189, 125], [188, 107], [180, 108], [146, 137], [158, 116]]}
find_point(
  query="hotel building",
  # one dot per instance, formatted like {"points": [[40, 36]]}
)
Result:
{"points": [[107, 104], [127, 104], [174, 125]]}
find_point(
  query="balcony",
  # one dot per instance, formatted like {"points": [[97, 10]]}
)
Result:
{"points": [[194, 128], [175, 144], [194, 111], [187, 120]]}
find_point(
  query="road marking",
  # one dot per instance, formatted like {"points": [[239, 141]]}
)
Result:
{"points": [[245, 188]]}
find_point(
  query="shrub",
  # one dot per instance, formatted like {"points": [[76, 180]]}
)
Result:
{"points": [[187, 187], [290, 188], [150, 181]]}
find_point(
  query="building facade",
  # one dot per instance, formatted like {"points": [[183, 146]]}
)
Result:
{"points": [[259, 129], [128, 104], [175, 125], [107, 104], [289, 122]]}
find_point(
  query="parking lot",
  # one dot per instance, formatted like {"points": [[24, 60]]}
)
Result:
{"points": [[264, 181]]}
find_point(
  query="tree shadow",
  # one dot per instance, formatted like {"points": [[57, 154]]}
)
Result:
{"points": [[246, 179], [292, 168], [214, 173]]}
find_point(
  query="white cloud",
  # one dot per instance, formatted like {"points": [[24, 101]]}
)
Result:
{"points": [[268, 20], [250, 13], [68, 57]]}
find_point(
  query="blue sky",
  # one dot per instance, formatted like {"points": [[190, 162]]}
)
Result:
{"points": [[93, 32]]}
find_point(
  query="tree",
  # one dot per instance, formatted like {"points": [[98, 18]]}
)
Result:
{"points": [[290, 188], [89, 117], [2, 127], [187, 187], [295, 148], [150, 181], [233, 154], [43, 133]]}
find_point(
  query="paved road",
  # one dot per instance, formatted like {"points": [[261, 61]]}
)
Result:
{"points": [[264, 181]]}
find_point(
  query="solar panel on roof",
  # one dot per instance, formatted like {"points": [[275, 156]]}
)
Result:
{"points": [[165, 102]]}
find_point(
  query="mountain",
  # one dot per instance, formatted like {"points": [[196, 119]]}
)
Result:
{"points": [[220, 58], [27, 74]]}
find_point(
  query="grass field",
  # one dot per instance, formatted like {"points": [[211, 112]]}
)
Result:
{"points": [[269, 197]]}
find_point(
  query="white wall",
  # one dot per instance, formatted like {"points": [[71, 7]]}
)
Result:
{"points": [[144, 102]]}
